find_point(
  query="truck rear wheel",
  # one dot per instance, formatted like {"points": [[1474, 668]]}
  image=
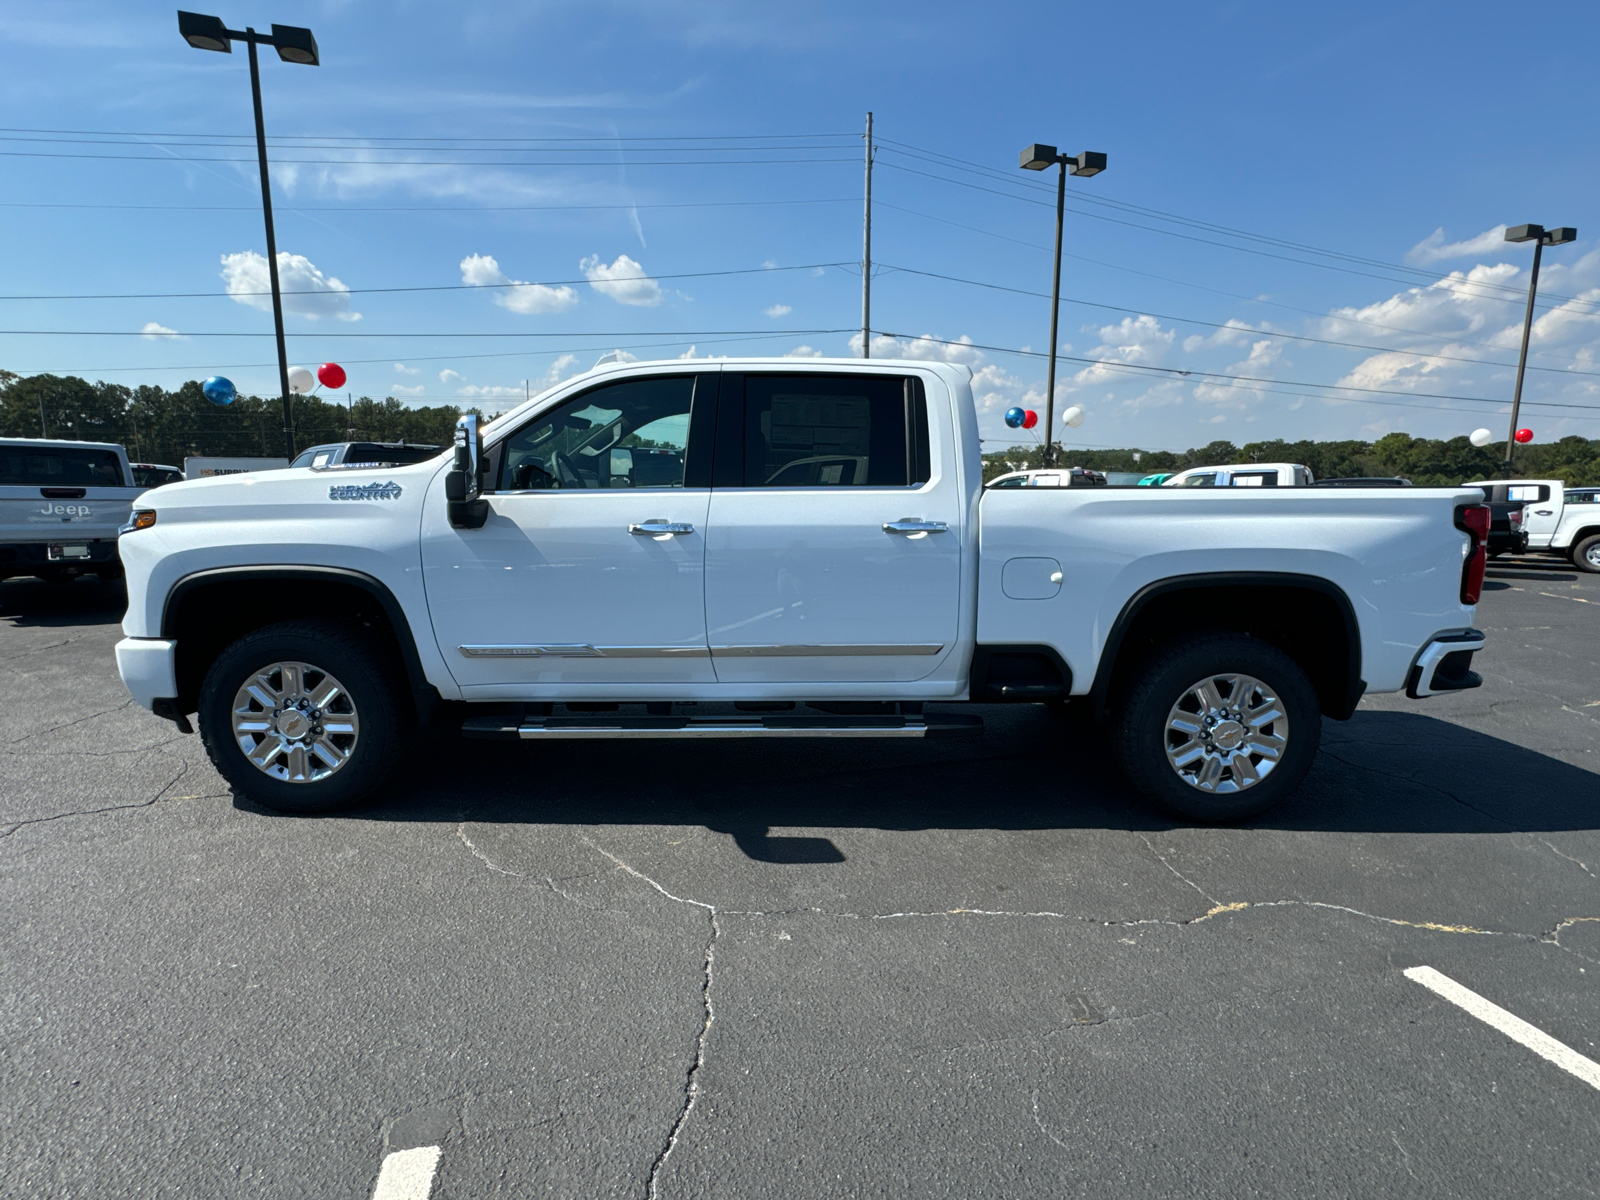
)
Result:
{"points": [[305, 716], [1219, 728], [1586, 554]]}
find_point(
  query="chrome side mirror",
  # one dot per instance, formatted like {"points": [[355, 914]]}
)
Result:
{"points": [[463, 486]]}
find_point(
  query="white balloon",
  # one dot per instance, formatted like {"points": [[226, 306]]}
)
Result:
{"points": [[1073, 417], [301, 380], [1480, 437]]}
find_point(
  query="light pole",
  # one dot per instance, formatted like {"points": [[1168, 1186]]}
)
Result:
{"points": [[294, 45], [1090, 162], [1540, 237]]}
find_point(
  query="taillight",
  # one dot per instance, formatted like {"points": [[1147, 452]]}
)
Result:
{"points": [[1474, 520], [1515, 515]]}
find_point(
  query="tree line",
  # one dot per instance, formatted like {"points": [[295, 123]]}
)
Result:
{"points": [[158, 425], [1426, 462]]}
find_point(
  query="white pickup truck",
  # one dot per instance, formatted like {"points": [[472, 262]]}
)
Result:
{"points": [[1557, 520], [776, 549], [61, 506]]}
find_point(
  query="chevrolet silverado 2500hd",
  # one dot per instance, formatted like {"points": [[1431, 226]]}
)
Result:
{"points": [[811, 541]]}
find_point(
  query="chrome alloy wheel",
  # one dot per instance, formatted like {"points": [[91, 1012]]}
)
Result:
{"points": [[1226, 733], [1592, 556], [295, 722]]}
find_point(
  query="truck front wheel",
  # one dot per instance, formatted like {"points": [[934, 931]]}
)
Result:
{"points": [[303, 717], [1219, 728], [1586, 554]]}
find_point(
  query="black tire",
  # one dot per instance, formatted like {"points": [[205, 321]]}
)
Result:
{"points": [[1166, 679], [370, 681], [1586, 554]]}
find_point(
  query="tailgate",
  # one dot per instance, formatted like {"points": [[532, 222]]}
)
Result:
{"points": [[53, 514]]}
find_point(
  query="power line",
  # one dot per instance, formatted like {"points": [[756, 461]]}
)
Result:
{"points": [[320, 335], [1243, 329], [1192, 222], [1484, 291], [438, 287], [1237, 381], [609, 341], [727, 137], [417, 162], [1204, 288], [436, 208]]}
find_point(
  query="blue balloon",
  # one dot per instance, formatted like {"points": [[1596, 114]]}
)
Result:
{"points": [[219, 390], [1015, 417]]}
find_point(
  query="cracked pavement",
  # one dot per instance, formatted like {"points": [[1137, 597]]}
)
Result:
{"points": [[970, 968]]}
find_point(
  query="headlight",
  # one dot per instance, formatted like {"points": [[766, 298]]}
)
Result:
{"points": [[142, 518]]}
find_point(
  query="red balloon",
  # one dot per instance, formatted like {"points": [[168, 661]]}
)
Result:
{"points": [[1029, 419], [331, 375], [1524, 436]]}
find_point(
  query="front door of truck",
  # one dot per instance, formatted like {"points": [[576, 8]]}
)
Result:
{"points": [[834, 552], [590, 567]]}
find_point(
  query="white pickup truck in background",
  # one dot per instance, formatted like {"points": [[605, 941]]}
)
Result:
{"points": [[774, 549], [1556, 519], [1244, 475], [61, 506]]}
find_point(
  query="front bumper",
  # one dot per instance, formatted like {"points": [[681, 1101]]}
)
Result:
{"points": [[1445, 664], [148, 667]]}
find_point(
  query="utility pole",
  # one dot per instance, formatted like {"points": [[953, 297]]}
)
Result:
{"points": [[866, 255], [1540, 237], [44, 430]]}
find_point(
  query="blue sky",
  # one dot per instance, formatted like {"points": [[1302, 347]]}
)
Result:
{"points": [[1334, 172]]}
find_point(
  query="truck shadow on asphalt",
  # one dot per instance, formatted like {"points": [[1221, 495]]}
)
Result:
{"points": [[1381, 772], [29, 603]]}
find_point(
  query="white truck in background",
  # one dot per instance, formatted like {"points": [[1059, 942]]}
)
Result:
{"points": [[62, 504], [1557, 520], [770, 548], [1244, 475]]}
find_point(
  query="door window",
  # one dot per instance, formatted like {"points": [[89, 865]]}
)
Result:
{"points": [[1205, 479], [834, 431], [626, 435], [1254, 479]]}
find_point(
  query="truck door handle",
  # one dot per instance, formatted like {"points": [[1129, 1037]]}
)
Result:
{"points": [[656, 526], [1544, 512], [913, 525]]}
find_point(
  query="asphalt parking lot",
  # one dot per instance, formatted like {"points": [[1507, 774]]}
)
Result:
{"points": [[968, 968]]}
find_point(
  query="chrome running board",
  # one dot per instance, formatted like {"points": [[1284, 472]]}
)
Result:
{"points": [[542, 728]]}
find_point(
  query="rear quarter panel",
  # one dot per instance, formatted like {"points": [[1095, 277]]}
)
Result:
{"points": [[1395, 553]]}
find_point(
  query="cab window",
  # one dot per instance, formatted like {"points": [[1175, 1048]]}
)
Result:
{"points": [[1204, 479], [1254, 479], [627, 435], [41, 466], [834, 431]]}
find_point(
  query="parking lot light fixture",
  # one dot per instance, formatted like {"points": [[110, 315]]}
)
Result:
{"points": [[1540, 237], [1039, 157], [294, 44]]}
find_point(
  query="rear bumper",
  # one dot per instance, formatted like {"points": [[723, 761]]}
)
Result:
{"points": [[1445, 664], [1502, 542], [29, 558], [148, 667]]}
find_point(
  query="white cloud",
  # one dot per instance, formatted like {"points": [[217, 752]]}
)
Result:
{"points": [[802, 352], [405, 370], [562, 368], [307, 292], [1258, 364], [401, 389], [446, 375], [154, 331], [624, 281], [778, 310], [1434, 248], [616, 356], [481, 270], [771, 264], [1133, 340], [1233, 333], [474, 392], [926, 348]]}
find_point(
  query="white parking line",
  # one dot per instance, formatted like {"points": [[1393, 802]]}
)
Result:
{"points": [[407, 1174], [1513, 1026]]}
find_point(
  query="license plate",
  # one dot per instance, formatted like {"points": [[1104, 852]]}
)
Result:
{"points": [[67, 552]]}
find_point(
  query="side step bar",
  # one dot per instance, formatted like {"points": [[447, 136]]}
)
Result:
{"points": [[720, 727]]}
